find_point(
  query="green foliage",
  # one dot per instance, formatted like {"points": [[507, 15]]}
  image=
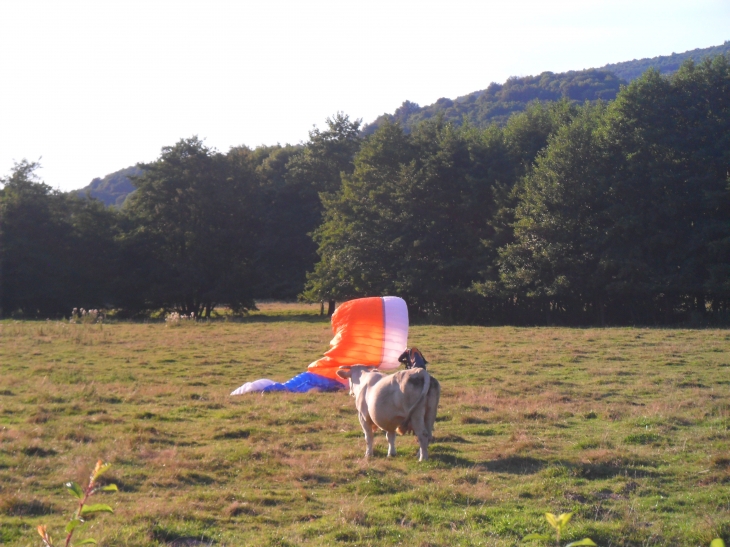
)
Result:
{"points": [[410, 219], [559, 214], [625, 213], [56, 251], [195, 226], [84, 509], [327, 155], [291, 206], [558, 524]]}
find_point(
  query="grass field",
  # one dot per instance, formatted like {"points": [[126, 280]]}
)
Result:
{"points": [[627, 427]]}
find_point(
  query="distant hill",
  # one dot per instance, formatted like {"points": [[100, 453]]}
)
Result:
{"points": [[114, 188], [665, 64], [499, 101]]}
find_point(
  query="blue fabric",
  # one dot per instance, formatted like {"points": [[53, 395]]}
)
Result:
{"points": [[306, 381]]}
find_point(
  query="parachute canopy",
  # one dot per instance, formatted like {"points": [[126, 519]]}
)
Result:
{"points": [[301, 383], [367, 331]]}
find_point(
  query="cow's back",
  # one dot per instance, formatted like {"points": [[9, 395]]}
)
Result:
{"points": [[392, 400]]}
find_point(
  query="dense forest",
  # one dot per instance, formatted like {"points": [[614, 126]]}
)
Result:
{"points": [[570, 212]]}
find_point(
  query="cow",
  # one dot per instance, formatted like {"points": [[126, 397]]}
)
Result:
{"points": [[403, 402]]}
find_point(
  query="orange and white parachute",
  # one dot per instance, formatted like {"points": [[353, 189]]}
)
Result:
{"points": [[367, 331]]}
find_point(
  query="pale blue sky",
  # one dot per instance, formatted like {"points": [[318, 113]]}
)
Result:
{"points": [[95, 86]]}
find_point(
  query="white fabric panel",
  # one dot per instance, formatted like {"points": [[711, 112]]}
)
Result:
{"points": [[253, 387], [396, 331]]}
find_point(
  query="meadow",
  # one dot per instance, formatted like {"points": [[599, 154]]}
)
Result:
{"points": [[626, 427]]}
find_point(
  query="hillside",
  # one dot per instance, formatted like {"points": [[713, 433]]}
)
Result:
{"points": [[497, 102], [114, 188], [665, 64]]}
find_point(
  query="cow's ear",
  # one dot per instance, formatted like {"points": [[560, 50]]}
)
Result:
{"points": [[344, 372]]}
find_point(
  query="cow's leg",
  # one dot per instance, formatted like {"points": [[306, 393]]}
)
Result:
{"points": [[432, 403], [422, 434], [423, 443], [390, 435], [368, 429]]}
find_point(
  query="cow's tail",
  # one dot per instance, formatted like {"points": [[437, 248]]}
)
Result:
{"points": [[413, 378]]}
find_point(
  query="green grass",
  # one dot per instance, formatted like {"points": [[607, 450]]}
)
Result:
{"points": [[628, 428]]}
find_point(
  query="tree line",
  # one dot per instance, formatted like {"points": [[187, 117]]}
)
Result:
{"points": [[597, 213]]}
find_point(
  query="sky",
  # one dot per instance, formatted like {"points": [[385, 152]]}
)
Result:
{"points": [[91, 87]]}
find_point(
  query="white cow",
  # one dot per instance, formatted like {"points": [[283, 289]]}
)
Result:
{"points": [[404, 401]]}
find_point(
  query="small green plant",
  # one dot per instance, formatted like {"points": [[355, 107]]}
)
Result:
{"points": [[83, 495], [558, 524]]}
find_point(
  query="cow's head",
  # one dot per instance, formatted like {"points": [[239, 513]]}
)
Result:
{"points": [[354, 375]]}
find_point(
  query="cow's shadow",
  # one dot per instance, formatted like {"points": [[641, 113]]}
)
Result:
{"points": [[448, 455]]}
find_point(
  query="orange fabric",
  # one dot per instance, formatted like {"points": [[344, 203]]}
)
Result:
{"points": [[359, 329]]}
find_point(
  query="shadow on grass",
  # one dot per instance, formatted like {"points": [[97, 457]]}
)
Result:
{"points": [[236, 434], [515, 465], [451, 460], [193, 478], [448, 455], [21, 508], [180, 537], [525, 465], [451, 438], [38, 451], [593, 471]]}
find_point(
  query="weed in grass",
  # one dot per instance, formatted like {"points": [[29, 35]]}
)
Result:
{"points": [[558, 524], [83, 510]]}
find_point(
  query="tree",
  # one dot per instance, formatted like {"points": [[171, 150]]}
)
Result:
{"points": [[561, 217], [312, 176], [57, 251], [624, 217], [409, 221], [522, 140], [671, 188], [194, 231], [288, 213], [327, 155]]}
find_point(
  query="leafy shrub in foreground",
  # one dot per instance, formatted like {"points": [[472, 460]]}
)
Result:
{"points": [[83, 509]]}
